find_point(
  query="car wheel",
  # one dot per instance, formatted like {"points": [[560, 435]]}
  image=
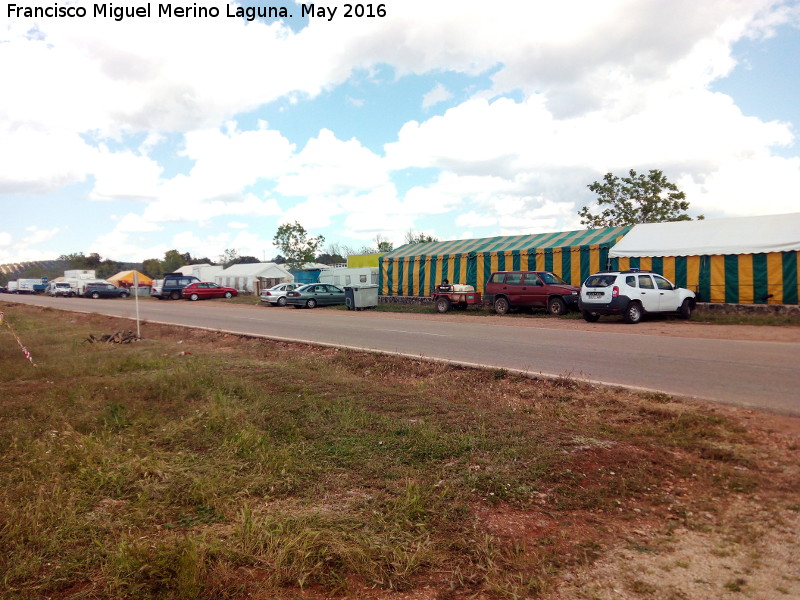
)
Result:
{"points": [[311, 303], [501, 306], [228, 295], [556, 306], [95, 295], [633, 314], [590, 317], [281, 301], [194, 297], [123, 295], [175, 295], [686, 309], [442, 305]]}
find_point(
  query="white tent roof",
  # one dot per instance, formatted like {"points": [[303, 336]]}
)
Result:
{"points": [[187, 269], [741, 235], [266, 270]]}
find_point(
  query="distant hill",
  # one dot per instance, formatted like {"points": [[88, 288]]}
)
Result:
{"points": [[55, 268], [17, 270]]}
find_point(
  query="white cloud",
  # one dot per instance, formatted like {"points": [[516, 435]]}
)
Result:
{"points": [[327, 165], [133, 223], [438, 94], [124, 175], [37, 235]]}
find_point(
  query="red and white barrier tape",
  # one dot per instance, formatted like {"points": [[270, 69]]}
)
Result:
{"points": [[16, 337]]}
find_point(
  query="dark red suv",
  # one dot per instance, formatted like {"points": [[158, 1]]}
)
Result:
{"points": [[510, 289]]}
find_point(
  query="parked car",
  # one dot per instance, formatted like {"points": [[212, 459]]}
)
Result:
{"points": [[206, 289], [172, 286], [539, 289], [633, 294], [276, 295], [60, 288], [315, 294], [104, 290]]}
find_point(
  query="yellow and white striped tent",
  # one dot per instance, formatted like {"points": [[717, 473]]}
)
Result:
{"points": [[743, 260]]}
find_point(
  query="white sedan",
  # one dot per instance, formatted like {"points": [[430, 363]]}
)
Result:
{"points": [[277, 294]]}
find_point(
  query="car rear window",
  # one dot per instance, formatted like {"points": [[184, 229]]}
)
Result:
{"points": [[597, 281]]}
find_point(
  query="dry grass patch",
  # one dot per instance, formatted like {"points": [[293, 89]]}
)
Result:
{"points": [[204, 465]]}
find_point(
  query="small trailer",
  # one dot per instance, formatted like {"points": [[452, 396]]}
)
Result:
{"points": [[454, 295]]}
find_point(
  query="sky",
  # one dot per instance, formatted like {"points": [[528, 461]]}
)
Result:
{"points": [[131, 136]]}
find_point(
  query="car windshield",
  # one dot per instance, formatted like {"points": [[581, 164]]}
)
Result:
{"points": [[552, 279], [597, 281]]}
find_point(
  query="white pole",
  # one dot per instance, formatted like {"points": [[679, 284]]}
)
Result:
{"points": [[136, 300]]}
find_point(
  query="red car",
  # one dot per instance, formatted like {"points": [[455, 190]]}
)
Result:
{"points": [[205, 289]]}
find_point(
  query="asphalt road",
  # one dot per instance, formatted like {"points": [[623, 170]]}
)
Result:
{"points": [[764, 375]]}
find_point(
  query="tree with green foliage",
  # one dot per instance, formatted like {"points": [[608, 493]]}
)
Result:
{"points": [[247, 260], [417, 237], [635, 199], [174, 260], [293, 242], [75, 261], [382, 244], [153, 267], [229, 257], [330, 259]]}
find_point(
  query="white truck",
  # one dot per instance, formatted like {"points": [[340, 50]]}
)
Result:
{"points": [[31, 286], [12, 287], [60, 288], [78, 278]]}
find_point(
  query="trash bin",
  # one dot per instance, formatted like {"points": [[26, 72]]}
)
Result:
{"points": [[349, 297], [361, 296]]}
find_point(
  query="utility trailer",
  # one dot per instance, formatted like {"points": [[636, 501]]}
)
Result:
{"points": [[454, 295]]}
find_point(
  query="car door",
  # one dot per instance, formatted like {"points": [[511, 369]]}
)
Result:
{"points": [[337, 295], [199, 289], [321, 294], [513, 289], [534, 290], [649, 294], [214, 291], [669, 297]]}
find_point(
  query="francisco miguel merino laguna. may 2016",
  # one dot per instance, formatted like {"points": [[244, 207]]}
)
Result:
{"points": [[118, 13]]}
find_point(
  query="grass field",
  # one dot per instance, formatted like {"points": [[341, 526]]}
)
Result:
{"points": [[201, 465]]}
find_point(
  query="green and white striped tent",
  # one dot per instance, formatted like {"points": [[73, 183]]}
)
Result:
{"points": [[414, 269]]}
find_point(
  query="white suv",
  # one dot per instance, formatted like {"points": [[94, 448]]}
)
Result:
{"points": [[632, 294]]}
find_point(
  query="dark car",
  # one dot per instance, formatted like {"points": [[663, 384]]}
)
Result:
{"points": [[315, 294], [172, 286], [207, 289], [104, 290], [539, 289]]}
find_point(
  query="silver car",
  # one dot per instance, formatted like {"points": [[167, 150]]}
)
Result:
{"points": [[276, 295]]}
